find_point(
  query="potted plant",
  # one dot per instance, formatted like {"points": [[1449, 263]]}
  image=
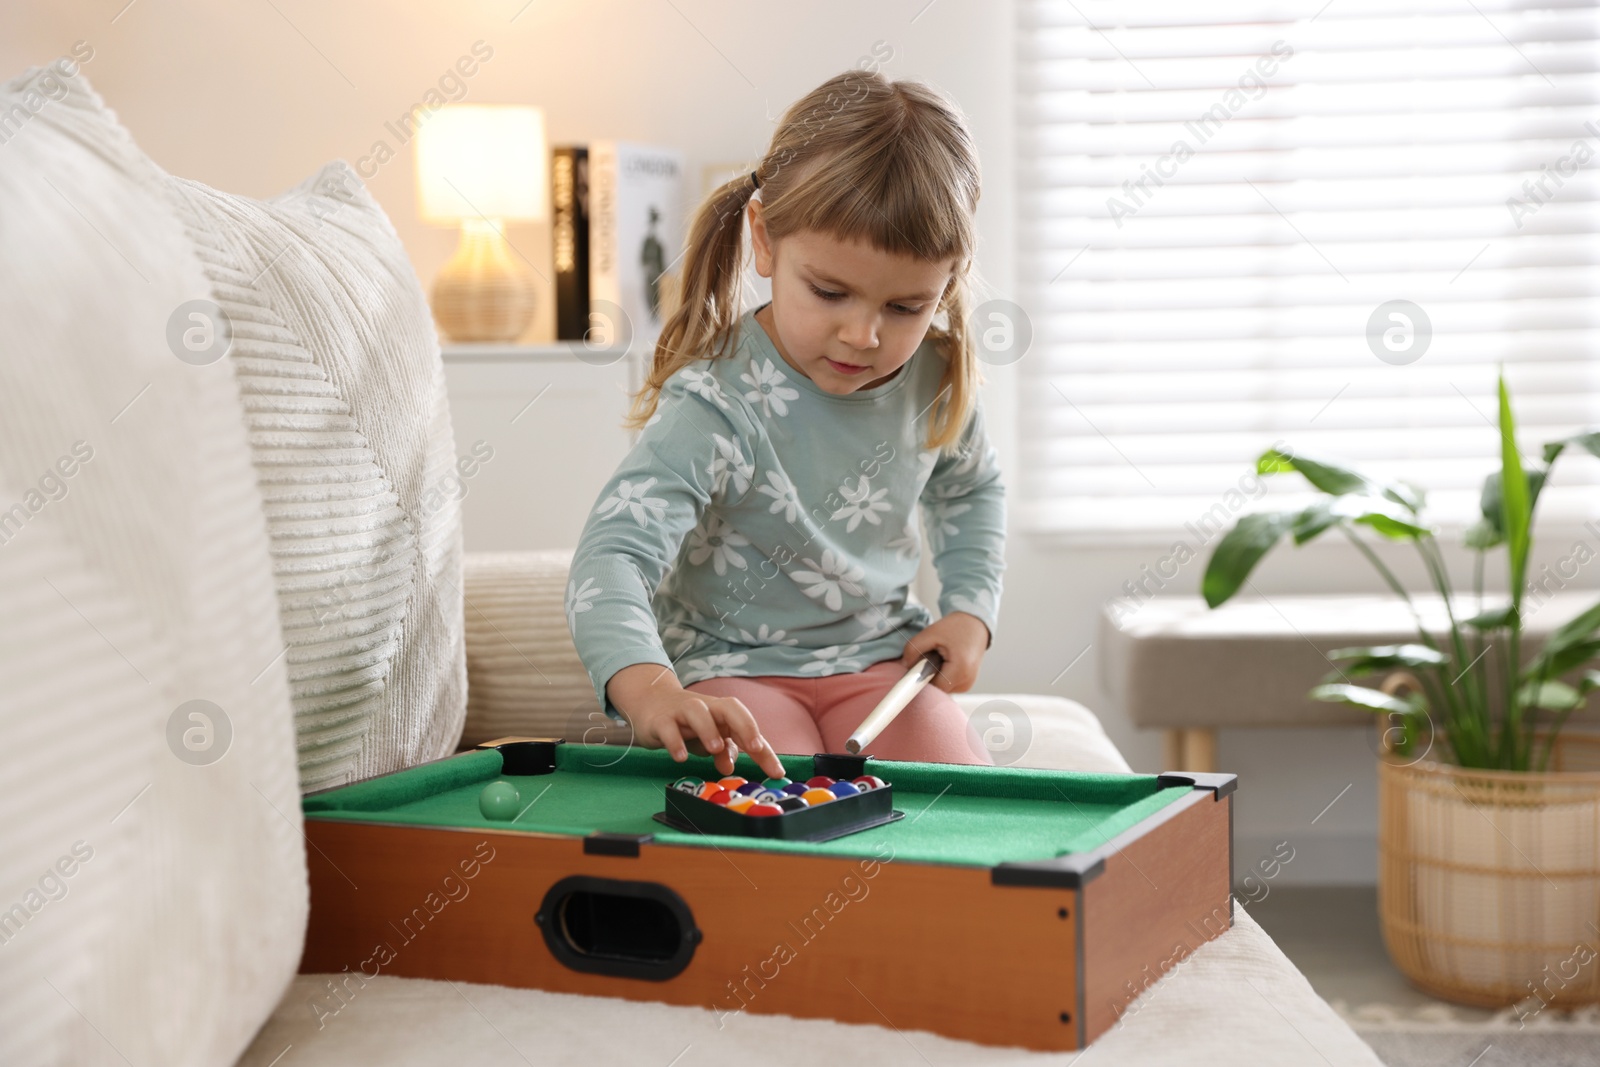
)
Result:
{"points": [[1489, 866]]}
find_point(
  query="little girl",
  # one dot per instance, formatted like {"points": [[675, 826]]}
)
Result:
{"points": [[742, 583]]}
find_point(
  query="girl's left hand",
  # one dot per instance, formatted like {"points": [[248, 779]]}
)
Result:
{"points": [[961, 638]]}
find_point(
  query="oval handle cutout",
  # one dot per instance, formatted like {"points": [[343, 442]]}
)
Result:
{"points": [[618, 928]]}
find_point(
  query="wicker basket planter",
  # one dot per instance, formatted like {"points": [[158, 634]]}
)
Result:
{"points": [[1489, 881]]}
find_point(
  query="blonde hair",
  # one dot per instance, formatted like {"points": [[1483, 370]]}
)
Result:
{"points": [[858, 158]]}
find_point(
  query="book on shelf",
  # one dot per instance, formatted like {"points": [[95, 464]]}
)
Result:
{"points": [[569, 212], [635, 224]]}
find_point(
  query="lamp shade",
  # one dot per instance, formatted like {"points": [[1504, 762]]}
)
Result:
{"points": [[482, 161]]}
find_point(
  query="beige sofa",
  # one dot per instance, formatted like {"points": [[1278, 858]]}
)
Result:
{"points": [[232, 572]]}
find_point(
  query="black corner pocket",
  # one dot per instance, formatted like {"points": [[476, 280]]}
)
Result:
{"points": [[618, 928]]}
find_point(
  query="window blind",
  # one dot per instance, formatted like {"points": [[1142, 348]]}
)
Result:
{"points": [[1218, 204]]}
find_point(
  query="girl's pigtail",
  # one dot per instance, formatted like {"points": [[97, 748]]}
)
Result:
{"points": [[959, 384]]}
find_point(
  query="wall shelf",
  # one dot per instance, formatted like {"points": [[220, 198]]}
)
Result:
{"points": [[552, 352]]}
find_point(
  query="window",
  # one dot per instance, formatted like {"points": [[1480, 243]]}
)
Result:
{"points": [[1220, 205]]}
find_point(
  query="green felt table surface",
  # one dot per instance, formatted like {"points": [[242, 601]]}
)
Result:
{"points": [[977, 816]]}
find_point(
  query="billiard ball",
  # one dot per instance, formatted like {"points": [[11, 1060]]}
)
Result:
{"points": [[793, 803], [869, 781], [817, 796], [795, 789], [741, 804], [749, 788], [499, 801], [708, 789], [769, 796], [821, 781], [732, 782], [843, 789], [763, 809], [721, 796], [689, 785], [775, 784]]}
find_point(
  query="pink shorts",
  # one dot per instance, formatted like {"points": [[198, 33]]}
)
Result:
{"points": [[802, 716]]}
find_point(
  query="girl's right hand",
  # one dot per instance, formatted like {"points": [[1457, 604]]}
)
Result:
{"points": [[665, 715]]}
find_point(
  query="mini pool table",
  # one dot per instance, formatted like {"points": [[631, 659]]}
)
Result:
{"points": [[1008, 906]]}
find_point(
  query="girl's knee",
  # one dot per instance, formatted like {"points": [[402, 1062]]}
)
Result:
{"points": [[933, 729]]}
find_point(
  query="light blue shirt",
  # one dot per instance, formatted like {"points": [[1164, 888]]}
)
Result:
{"points": [[761, 525]]}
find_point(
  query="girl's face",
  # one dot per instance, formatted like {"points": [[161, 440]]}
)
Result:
{"points": [[845, 315]]}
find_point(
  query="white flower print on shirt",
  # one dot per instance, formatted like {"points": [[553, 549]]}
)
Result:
{"points": [[968, 462], [939, 524], [835, 659], [763, 636], [703, 383], [631, 497], [827, 578], [578, 599], [863, 504], [678, 640], [907, 543], [769, 389], [642, 621], [875, 622], [729, 464], [982, 605], [717, 540], [717, 665], [950, 490], [784, 496]]}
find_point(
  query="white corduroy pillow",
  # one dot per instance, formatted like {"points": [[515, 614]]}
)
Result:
{"points": [[343, 386], [526, 678], [152, 872]]}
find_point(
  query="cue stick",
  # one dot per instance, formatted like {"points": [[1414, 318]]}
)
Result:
{"points": [[894, 701]]}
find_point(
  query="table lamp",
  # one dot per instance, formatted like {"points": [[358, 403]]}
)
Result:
{"points": [[483, 165]]}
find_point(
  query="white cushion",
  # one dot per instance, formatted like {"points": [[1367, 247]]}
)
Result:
{"points": [[525, 675], [1034, 730], [153, 909], [342, 381]]}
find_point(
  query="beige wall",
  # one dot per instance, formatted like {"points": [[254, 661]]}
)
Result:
{"points": [[244, 98]]}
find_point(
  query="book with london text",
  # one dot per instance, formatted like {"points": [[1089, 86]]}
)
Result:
{"points": [[636, 225]]}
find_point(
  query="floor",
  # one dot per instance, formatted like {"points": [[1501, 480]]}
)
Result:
{"points": [[1331, 933]]}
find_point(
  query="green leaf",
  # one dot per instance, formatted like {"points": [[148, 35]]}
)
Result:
{"points": [[1336, 479], [1574, 633], [1493, 619], [1515, 496], [1316, 518], [1240, 549], [1387, 518], [1589, 681], [1489, 502], [1552, 696], [1381, 657], [1589, 441], [1327, 476], [1273, 462], [1387, 524], [1563, 660], [1411, 496], [1483, 534], [1371, 699]]}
